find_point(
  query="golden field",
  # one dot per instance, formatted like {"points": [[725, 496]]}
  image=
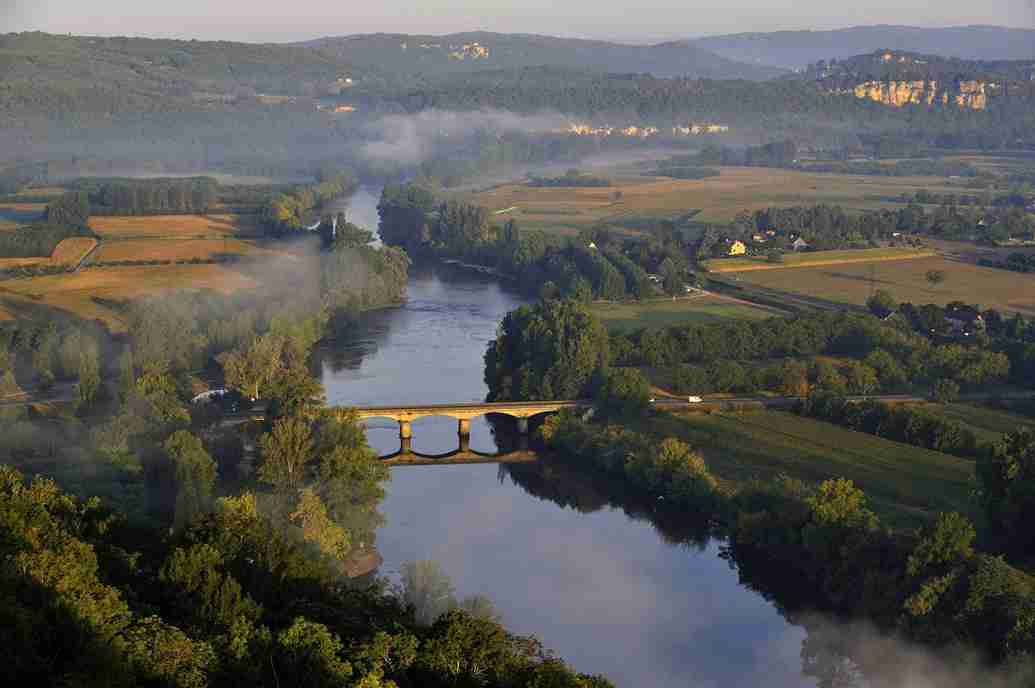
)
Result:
{"points": [[816, 259], [906, 281], [173, 226], [72, 250], [68, 252], [177, 249], [83, 293], [567, 210]]}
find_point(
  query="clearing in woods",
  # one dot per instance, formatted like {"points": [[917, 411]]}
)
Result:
{"points": [[719, 199], [906, 280], [632, 315], [171, 226]]}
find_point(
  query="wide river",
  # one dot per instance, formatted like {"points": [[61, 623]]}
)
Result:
{"points": [[606, 591]]}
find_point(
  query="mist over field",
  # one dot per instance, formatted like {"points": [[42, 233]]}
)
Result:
{"points": [[411, 139]]}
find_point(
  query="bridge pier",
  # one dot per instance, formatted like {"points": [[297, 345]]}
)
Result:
{"points": [[522, 426], [405, 437], [464, 431]]}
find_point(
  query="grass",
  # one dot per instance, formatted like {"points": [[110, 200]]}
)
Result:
{"points": [[989, 424], [88, 294], [169, 226], [172, 249], [816, 259], [663, 312], [906, 485], [566, 210], [906, 281]]}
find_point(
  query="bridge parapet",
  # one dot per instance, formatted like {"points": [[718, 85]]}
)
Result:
{"points": [[463, 413], [514, 409]]}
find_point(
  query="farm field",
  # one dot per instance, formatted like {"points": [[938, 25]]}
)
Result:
{"points": [[68, 252], [14, 215], [816, 259], [170, 226], [83, 294], [906, 485], [906, 281], [663, 312], [988, 423], [176, 249], [567, 210]]}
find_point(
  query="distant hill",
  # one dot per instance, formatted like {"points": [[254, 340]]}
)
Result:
{"points": [[901, 78], [52, 74], [796, 49], [468, 52]]}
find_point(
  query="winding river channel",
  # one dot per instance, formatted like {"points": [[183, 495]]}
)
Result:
{"points": [[599, 584]]}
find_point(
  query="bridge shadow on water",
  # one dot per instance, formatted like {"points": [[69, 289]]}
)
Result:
{"points": [[459, 456]]}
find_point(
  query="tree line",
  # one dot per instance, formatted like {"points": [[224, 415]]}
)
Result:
{"points": [[292, 211], [596, 265], [823, 543], [149, 196]]}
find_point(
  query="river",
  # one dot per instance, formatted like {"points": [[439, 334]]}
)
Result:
{"points": [[607, 591]]}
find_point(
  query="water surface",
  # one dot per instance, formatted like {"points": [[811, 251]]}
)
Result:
{"points": [[600, 585]]}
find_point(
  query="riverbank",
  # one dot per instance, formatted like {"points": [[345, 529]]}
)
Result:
{"points": [[823, 544]]}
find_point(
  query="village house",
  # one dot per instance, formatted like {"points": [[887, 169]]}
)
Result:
{"points": [[964, 320]]}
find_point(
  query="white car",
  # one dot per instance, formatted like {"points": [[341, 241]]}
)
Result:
{"points": [[694, 400]]}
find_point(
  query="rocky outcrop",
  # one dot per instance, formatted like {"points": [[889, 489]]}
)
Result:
{"points": [[971, 95]]}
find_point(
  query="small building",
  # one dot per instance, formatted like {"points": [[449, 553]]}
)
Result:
{"points": [[737, 248], [964, 320], [800, 244], [758, 238]]}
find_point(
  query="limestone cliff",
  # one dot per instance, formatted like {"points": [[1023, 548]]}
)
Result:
{"points": [[972, 94], [898, 79]]}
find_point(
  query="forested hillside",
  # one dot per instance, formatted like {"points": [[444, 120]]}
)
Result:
{"points": [[49, 73], [467, 52]]}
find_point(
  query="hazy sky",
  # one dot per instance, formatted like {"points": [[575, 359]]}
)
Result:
{"points": [[262, 20]]}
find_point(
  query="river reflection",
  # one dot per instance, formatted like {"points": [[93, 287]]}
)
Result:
{"points": [[605, 591], [646, 598]]}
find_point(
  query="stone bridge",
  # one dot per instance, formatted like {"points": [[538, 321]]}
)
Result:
{"points": [[463, 413]]}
